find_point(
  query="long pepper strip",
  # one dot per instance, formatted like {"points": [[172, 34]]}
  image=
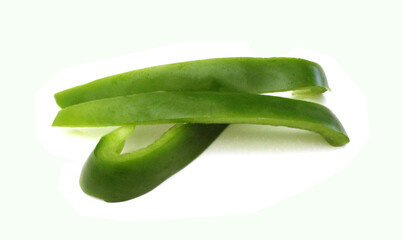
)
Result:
{"points": [[240, 74], [204, 107]]}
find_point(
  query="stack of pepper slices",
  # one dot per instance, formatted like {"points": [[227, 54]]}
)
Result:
{"points": [[201, 97]]}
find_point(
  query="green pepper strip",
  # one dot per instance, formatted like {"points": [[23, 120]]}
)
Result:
{"points": [[242, 74], [113, 177], [204, 107], [116, 177]]}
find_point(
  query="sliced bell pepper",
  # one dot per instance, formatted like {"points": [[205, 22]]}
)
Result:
{"points": [[114, 177]]}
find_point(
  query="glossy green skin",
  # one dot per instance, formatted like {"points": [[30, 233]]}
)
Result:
{"points": [[204, 107], [240, 74], [114, 177]]}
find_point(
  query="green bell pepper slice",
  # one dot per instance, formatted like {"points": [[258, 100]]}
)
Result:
{"points": [[204, 107], [116, 177], [237, 74]]}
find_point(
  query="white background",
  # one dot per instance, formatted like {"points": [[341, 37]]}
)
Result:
{"points": [[40, 38]]}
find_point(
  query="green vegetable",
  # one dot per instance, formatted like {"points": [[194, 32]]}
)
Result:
{"points": [[204, 107], [114, 177], [249, 75]]}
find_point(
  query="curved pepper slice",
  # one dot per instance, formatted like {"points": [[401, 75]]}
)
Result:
{"points": [[114, 177], [204, 107], [238, 74]]}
